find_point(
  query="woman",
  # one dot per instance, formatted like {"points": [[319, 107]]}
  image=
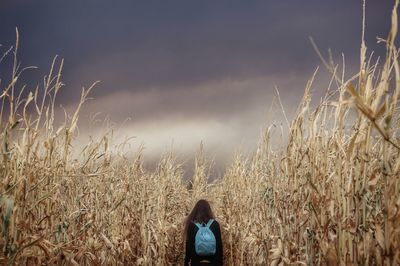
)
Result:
{"points": [[202, 216]]}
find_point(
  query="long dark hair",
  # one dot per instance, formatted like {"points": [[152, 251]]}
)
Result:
{"points": [[201, 213]]}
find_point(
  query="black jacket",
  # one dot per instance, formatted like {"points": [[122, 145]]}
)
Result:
{"points": [[191, 256]]}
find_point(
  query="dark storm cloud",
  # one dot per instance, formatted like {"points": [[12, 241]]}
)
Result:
{"points": [[165, 45]]}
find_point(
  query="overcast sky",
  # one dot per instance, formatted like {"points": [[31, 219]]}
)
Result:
{"points": [[188, 70]]}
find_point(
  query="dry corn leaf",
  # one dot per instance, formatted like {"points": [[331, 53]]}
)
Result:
{"points": [[379, 236]]}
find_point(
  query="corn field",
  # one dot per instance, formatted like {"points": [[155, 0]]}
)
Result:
{"points": [[330, 196]]}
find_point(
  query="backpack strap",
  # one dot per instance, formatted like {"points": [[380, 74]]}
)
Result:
{"points": [[198, 225], [209, 223]]}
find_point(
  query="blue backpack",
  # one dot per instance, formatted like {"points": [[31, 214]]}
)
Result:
{"points": [[205, 243]]}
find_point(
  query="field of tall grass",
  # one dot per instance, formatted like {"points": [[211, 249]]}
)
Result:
{"points": [[330, 196]]}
